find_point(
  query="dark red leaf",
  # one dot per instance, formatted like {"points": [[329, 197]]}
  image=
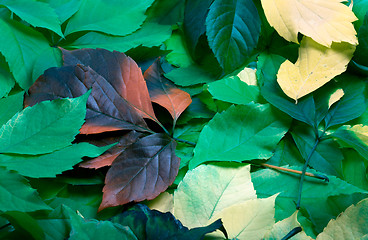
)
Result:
{"points": [[107, 110], [116, 67], [109, 156], [165, 93], [144, 170]]}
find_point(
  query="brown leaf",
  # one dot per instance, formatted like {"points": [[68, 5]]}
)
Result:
{"points": [[165, 93], [109, 156], [107, 110], [116, 67], [144, 170]]}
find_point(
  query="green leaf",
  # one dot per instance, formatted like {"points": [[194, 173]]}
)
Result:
{"points": [[179, 55], [315, 193], [353, 137], [10, 106], [286, 153], [360, 8], [49, 57], [83, 229], [233, 28], [189, 76], [64, 8], [38, 14], [362, 48], [351, 224], [119, 18], [267, 67], [166, 12], [195, 203], [233, 90], [326, 158], [21, 46], [355, 169], [49, 165], [150, 224], [23, 222], [45, 127], [149, 35], [17, 195], [7, 81], [242, 132]]}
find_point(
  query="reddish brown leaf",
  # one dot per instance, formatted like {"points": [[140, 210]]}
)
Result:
{"points": [[107, 110], [109, 156], [165, 93], [144, 170], [116, 67]]}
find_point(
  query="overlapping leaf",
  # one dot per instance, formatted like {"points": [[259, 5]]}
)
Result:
{"points": [[324, 21]]}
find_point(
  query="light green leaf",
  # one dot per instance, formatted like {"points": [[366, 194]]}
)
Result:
{"points": [[7, 81], [10, 106], [118, 17], [248, 220], [38, 14], [64, 8], [17, 195], [233, 28], [21, 46], [83, 229], [179, 55], [48, 165], [233, 90], [149, 35], [242, 132], [188, 76], [268, 182], [351, 224], [281, 228], [45, 127], [195, 203]]}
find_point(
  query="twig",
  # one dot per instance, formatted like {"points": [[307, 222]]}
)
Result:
{"points": [[292, 233], [184, 141], [318, 176]]}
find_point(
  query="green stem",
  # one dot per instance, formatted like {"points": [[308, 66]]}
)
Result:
{"points": [[184, 141], [5, 226]]}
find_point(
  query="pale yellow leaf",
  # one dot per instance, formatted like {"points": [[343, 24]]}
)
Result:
{"points": [[281, 228], [315, 66], [163, 203], [248, 220], [351, 224], [248, 76], [325, 21], [336, 96]]}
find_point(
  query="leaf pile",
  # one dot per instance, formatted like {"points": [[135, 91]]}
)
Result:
{"points": [[183, 119]]}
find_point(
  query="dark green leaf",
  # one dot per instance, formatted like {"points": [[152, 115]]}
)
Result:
{"points": [[189, 76], [10, 106], [25, 223], [7, 81], [355, 169], [233, 28]]}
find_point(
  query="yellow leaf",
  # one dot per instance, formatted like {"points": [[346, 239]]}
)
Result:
{"points": [[248, 220], [336, 96], [325, 21], [248, 76], [163, 203], [315, 66], [281, 228]]}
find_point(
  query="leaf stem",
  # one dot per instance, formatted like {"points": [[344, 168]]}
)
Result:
{"points": [[318, 176], [184, 141], [292, 233], [5, 226]]}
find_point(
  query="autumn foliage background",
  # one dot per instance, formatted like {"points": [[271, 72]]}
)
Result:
{"points": [[173, 119]]}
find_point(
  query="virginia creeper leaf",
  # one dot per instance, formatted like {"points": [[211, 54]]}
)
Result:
{"points": [[7, 80], [164, 93], [119, 18], [351, 224], [315, 66], [242, 132], [117, 69], [43, 128], [21, 45], [10, 106], [107, 109], [48, 165], [17, 195], [48, 58], [144, 170], [195, 204], [326, 158], [324, 21], [112, 153], [250, 219], [38, 14], [64, 8], [233, 90], [233, 28], [149, 35]]}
